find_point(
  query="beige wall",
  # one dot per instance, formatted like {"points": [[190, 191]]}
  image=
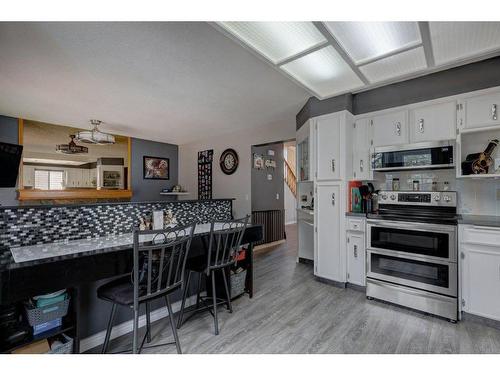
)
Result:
{"points": [[40, 140], [237, 185]]}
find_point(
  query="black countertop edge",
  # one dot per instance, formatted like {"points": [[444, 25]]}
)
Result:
{"points": [[46, 206], [356, 214], [481, 220]]}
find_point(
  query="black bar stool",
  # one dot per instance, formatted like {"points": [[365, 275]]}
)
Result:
{"points": [[223, 248], [159, 264]]}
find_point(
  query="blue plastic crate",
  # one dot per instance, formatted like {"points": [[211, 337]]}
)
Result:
{"points": [[47, 326]]}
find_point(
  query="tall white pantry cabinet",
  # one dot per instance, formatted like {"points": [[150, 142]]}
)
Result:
{"points": [[332, 168]]}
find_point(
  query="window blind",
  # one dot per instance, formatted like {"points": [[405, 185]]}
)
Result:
{"points": [[48, 180]]}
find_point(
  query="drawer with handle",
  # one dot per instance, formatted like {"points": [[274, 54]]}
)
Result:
{"points": [[481, 235], [357, 224]]}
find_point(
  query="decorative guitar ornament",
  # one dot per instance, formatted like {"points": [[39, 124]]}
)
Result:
{"points": [[480, 162]]}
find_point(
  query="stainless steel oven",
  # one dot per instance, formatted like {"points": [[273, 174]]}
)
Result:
{"points": [[425, 155], [412, 251], [434, 242]]}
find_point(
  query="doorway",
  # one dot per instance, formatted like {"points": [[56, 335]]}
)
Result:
{"points": [[273, 187]]}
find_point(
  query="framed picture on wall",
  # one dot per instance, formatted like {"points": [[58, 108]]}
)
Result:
{"points": [[156, 168]]}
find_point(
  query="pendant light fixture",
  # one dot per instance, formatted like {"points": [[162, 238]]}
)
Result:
{"points": [[95, 136], [71, 147]]}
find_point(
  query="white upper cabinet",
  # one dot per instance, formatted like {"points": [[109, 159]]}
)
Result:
{"points": [[305, 152], [328, 144], [481, 111], [436, 122], [390, 129], [361, 164]]}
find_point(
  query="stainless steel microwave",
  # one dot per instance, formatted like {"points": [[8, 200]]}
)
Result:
{"points": [[425, 155]]}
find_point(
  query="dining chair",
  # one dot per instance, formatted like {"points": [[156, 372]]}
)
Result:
{"points": [[223, 248], [158, 271]]}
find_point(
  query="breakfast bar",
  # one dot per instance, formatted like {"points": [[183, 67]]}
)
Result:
{"points": [[32, 269]]}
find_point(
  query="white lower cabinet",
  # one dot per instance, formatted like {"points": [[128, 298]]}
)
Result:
{"points": [[480, 270], [329, 249], [356, 267]]}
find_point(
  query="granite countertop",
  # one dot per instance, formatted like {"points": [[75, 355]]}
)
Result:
{"points": [[51, 205], [356, 214], [484, 220], [54, 251]]}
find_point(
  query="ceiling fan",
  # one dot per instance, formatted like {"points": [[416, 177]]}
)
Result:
{"points": [[95, 136]]}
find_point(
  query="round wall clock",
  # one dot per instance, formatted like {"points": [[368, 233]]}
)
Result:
{"points": [[229, 161]]}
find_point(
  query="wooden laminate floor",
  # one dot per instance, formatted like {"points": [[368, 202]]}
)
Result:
{"points": [[291, 312]]}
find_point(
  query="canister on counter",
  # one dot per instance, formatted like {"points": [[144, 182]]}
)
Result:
{"points": [[395, 184]]}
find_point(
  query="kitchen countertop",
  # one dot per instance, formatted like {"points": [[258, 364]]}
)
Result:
{"points": [[70, 248], [484, 220], [356, 214]]}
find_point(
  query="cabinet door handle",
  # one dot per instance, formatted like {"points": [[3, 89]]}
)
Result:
{"points": [[355, 251], [333, 165], [421, 125], [361, 165], [494, 112], [333, 199], [398, 128]]}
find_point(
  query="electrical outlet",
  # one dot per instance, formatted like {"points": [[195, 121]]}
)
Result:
{"points": [[277, 196]]}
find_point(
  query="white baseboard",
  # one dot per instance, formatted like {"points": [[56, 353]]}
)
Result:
{"points": [[126, 327], [291, 222]]}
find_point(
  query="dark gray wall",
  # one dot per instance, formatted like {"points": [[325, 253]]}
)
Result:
{"points": [[315, 107], [96, 312], [148, 190], [475, 76], [466, 78], [264, 191], [9, 133]]}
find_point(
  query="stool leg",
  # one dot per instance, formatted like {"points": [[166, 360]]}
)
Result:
{"points": [[136, 332], [148, 322], [172, 323], [200, 276], [108, 329], [214, 298], [184, 296], [226, 286]]}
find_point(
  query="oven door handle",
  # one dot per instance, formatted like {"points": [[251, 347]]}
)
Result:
{"points": [[410, 256], [412, 225]]}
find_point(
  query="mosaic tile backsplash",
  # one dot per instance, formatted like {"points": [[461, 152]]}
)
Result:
{"points": [[36, 225]]}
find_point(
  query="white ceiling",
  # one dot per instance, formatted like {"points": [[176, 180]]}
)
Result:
{"points": [[179, 82], [171, 82], [356, 56]]}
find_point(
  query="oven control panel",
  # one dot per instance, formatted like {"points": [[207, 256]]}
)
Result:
{"points": [[427, 198]]}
